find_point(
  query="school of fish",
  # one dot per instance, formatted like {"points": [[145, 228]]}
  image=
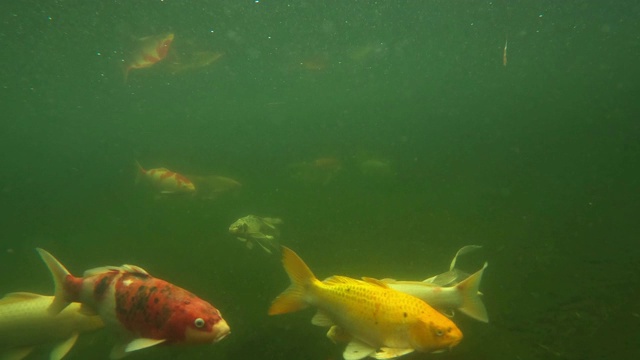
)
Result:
{"points": [[378, 318], [382, 319]]}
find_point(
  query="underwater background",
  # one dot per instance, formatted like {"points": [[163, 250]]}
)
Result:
{"points": [[536, 160]]}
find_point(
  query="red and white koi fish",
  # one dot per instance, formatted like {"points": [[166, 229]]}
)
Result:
{"points": [[166, 181], [25, 323], [147, 52], [144, 310]]}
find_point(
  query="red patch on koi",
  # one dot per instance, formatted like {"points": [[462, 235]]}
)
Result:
{"points": [[163, 49], [183, 179], [166, 175], [151, 59]]}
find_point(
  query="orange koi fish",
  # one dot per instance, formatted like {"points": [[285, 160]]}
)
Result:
{"points": [[166, 181], [379, 321], [147, 52], [145, 310]]}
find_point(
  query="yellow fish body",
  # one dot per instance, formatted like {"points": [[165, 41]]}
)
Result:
{"points": [[382, 322]]}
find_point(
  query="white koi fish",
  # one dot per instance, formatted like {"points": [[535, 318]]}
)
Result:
{"points": [[451, 290], [26, 323]]}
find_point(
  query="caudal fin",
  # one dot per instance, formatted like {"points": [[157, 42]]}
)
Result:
{"points": [[292, 299], [59, 274], [471, 303], [140, 172]]}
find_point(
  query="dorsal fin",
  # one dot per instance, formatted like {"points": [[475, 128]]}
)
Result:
{"points": [[133, 269], [373, 281], [337, 279]]}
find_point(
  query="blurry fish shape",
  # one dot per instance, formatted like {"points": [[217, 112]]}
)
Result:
{"points": [[26, 323], [263, 231], [194, 61], [319, 171], [368, 51], [317, 62], [147, 51], [165, 181], [450, 290], [381, 322], [143, 310], [374, 167], [212, 187]]}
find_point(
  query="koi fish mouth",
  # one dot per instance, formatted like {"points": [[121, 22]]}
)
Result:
{"points": [[222, 330]]}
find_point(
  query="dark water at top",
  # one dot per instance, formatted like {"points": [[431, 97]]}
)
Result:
{"points": [[536, 160]]}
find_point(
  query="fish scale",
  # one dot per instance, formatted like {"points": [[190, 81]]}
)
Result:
{"points": [[378, 314]]}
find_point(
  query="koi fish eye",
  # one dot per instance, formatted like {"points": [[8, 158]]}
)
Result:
{"points": [[439, 333], [199, 323]]}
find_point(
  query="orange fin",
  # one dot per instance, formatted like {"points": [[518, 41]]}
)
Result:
{"points": [[292, 299]]}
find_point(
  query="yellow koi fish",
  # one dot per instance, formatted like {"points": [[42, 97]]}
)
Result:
{"points": [[25, 322], [381, 322]]}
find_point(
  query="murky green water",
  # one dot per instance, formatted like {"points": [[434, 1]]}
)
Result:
{"points": [[535, 160]]}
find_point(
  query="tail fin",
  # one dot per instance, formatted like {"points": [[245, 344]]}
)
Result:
{"points": [[292, 299], [471, 303], [59, 274], [141, 171]]}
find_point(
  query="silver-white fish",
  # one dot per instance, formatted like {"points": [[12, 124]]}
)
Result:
{"points": [[254, 229], [452, 290], [25, 323]]}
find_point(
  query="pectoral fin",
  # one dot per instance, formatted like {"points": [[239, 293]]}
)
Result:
{"points": [[16, 354], [321, 319], [390, 353], [121, 348], [264, 247], [142, 343], [356, 350], [61, 349]]}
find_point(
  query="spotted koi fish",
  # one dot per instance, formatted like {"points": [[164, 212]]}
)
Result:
{"points": [[166, 181], [144, 310], [379, 321], [147, 51]]}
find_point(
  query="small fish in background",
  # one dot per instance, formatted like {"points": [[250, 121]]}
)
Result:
{"points": [[211, 187], [319, 171], [378, 321], [165, 181], [146, 52], [377, 168], [143, 310], [194, 61], [452, 290], [254, 229], [504, 52], [315, 63], [25, 323]]}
